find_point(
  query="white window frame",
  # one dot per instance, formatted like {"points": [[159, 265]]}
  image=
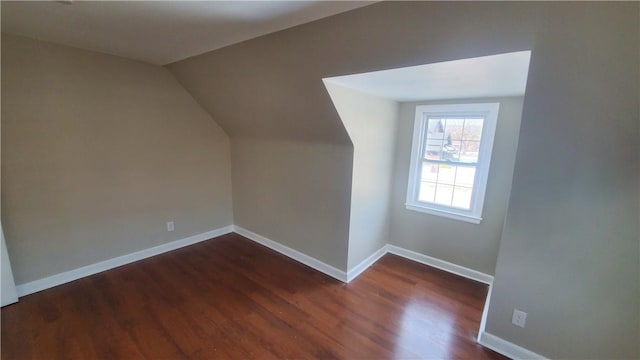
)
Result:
{"points": [[490, 113]]}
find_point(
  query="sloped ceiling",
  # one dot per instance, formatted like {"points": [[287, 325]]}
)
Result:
{"points": [[271, 87], [159, 32]]}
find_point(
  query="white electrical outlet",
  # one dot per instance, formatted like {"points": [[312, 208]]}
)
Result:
{"points": [[169, 225], [519, 318]]}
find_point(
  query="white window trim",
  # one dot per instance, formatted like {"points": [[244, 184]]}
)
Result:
{"points": [[490, 112]]}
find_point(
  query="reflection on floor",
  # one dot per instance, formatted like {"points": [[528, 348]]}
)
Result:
{"points": [[231, 298]]}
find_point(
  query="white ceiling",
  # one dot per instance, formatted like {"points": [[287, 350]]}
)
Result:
{"points": [[160, 32], [487, 76]]}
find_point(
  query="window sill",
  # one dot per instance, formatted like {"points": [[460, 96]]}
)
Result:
{"points": [[443, 213]]}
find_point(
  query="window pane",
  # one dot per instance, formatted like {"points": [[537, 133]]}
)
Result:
{"points": [[457, 145], [435, 125], [427, 191], [465, 176], [433, 148], [462, 197], [444, 194], [435, 139], [453, 129], [429, 171], [473, 129], [446, 174], [449, 151], [469, 151]]}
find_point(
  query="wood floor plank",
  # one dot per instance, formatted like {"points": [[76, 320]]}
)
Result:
{"points": [[229, 298]]}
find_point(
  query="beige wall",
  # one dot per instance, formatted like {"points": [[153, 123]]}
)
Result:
{"points": [[98, 152], [270, 87], [569, 254], [569, 250], [294, 193], [371, 124], [471, 245]]}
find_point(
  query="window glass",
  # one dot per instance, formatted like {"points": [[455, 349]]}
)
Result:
{"points": [[450, 158]]}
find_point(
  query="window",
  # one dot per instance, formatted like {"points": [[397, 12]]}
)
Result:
{"points": [[450, 159]]}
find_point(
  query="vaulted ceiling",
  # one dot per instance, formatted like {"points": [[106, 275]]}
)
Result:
{"points": [[271, 87], [159, 32]]}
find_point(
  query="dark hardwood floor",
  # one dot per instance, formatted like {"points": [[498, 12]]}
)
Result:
{"points": [[230, 298]]}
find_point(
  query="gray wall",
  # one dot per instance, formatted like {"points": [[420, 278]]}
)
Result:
{"points": [[294, 192], [569, 254], [270, 87], [371, 123], [569, 251], [98, 152], [471, 245]]}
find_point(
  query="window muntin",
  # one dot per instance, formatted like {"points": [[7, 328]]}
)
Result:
{"points": [[453, 140], [450, 159]]}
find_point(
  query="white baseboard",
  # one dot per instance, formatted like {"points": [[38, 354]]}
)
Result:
{"points": [[497, 344], [58, 279], [364, 265], [441, 264], [360, 268], [507, 348], [67, 276], [485, 339], [294, 254], [485, 312]]}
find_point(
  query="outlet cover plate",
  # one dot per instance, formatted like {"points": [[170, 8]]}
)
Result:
{"points": [[519, 318]]}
